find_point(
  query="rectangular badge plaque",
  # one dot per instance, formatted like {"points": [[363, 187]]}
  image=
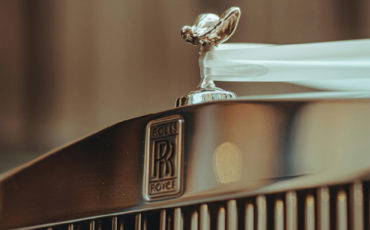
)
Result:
{"points": [[163, 158]]}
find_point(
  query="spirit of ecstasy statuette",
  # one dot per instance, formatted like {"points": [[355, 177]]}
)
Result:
{"points": [[208, 31]]}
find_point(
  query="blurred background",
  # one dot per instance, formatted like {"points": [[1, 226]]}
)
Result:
{"points": [[69, 68]]}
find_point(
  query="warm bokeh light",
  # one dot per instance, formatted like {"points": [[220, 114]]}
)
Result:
{"points": [[228, 162]]}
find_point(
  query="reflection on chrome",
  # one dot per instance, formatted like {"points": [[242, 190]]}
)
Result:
{"points": [[228, 162]]}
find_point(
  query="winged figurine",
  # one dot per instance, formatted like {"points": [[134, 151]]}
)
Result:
{"points": [[210, 30]]}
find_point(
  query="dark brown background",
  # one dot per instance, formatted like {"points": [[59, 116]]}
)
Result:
{"points": [[68, 68]]}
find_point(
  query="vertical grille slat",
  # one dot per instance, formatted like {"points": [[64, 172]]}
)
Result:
{"points": [[163, 220], [232, 215], [205, 222], [144, 223], [138, 223], [92, 225], [261, 213], [194, 220], [367, 205], [114, 223], [279, 215], [309, 222], [338, 207], [121, 224], [98, 225], [291, 210], [323, 200], [249, 216], [357, 206], [221, 218], [342, 222], [178, 219]]}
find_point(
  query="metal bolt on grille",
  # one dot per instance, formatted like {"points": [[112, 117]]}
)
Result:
{"points": [[336, 207]]}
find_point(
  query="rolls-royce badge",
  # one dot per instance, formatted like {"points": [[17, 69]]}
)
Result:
{"points": [[163, 158]]}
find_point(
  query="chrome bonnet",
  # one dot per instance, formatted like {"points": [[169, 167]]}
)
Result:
{"points": [[263, 160]]}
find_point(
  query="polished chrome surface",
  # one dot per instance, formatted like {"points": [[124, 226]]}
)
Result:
{"points": [[163, 220], [342, 217], [323, 209], [178, 220], [279, 215], [267, 147], [210, 93], [291, 210], [232, 215], [208, 31], [271, 209], [204, 222], [249, 216], [138, 221], [114, 223], [221, 218], [309, 223], [357, 206], [261, 212], [92, 225], [194, 220]]}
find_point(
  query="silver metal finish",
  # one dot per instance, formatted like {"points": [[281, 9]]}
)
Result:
{"points": [[138, 221], [211, 93], [221, 218], [194, 220], [114, 223], [205, 221], [367, 204], [208, 31], [323, 209], [232, 215], [279, 215], [105, 170], [291, 210], [121, 224], [357, 206], [178, 220], [261, 213], [342, 221], [92, 225], [309, 220], [99, 225], [163, 220], [145, 223], [249, 216]]}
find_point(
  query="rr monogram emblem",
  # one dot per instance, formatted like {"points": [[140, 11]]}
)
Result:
{"points": [[163, 158], [162, 162]]}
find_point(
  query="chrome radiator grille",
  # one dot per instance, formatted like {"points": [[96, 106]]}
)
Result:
{"points": [[333, 207]]}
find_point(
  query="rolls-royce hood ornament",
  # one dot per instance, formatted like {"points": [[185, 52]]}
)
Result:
{"points": [[335, 65], [208, 31]]}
